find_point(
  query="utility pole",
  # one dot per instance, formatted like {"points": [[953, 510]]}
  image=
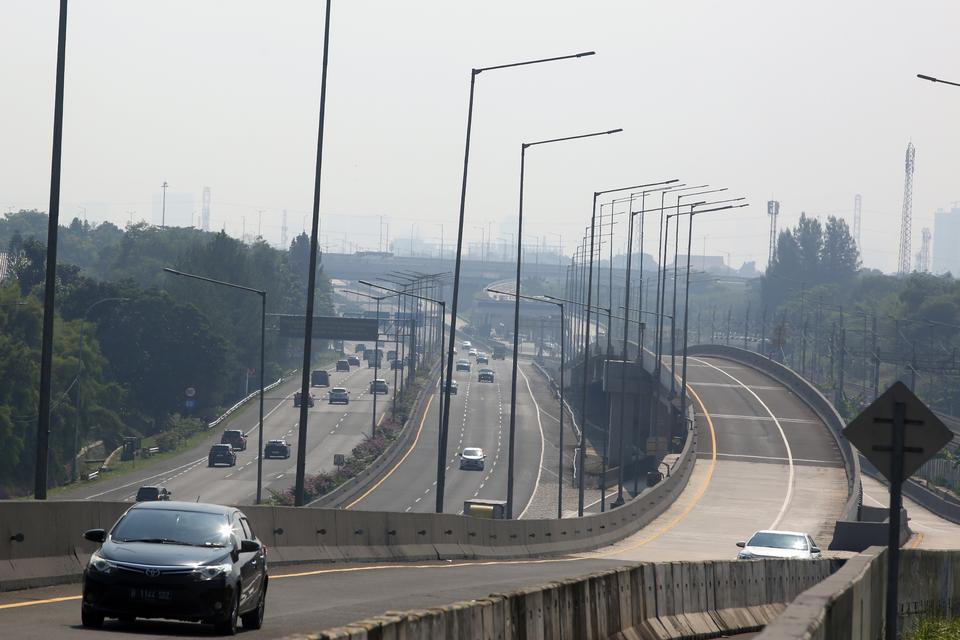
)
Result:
{"points": [[746, 327], [840, 381], [163, 206]]}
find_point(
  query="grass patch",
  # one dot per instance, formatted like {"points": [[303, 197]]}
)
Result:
{"points": [[934, 629]]}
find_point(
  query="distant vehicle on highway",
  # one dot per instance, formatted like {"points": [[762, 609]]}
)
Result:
{"points": [[482, 358], [499, 352], [397, 364], [276, 449], [234, 438], [472, 352], [472, 458], [391, 355], [770, 543], [463, 365], [360, 348], [296, 399], [338, 395], [485, 375], [152, 494], [379, 386], [221, 454], [466, 344], [343, 365], [320, 378], [353, 361], [454, 387], [177, 560]]}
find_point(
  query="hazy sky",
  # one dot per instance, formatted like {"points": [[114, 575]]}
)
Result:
{"points": [[807, 102]]}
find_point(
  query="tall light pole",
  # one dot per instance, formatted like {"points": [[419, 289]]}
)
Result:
{"points": [[376, 355], [49, 288], [441, 455], [312, 275], [456, 269], [563, 362], [76, 424], [932, 79], [516, 308], [263, 341]]}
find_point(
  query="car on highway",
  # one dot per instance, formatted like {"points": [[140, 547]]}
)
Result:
{"points": [[276, 449], [770, 543], [379, 387], [338, 395], [320, 378], [454, 387], [234, 438], [472, 352], [463, 365], [485, 375], [221, 454], [152, 494], [353, 361], [472, 458], [391, 355], [467, 344], [499, 352], [482, 358], [359, 348], [396, 364], [177, 560], [296, 399], [343, 365]]}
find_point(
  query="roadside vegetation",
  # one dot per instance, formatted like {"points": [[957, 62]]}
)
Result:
{"points": [[131, 339], [934, 629]]}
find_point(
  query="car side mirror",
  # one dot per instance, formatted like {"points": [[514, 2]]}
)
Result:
{"points": [[249, 546], [814, 549], [741, 544], [458, 454], [95, 535]]}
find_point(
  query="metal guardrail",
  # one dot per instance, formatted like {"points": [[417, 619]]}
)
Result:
{"points": [[241, 402]]}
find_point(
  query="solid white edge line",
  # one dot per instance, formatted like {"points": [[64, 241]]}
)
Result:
{"points": [[536, 485], [789, 496]]}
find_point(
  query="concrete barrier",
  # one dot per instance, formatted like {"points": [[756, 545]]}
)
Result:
{"points": [[642, 601], [819, 405]]}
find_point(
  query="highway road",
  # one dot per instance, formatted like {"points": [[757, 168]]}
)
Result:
{"points": [[479, 417], [331, 429], [765, 460]]}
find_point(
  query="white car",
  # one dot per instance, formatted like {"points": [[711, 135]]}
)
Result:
{"points": [[463, 365], [472, 458], [467, 344], [778, 544], [472, 352]]}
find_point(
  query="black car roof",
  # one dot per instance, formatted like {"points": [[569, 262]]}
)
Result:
{"points": [[201, 507]]}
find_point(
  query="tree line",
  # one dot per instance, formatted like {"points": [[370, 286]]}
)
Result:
{"points": [[130, 339]]}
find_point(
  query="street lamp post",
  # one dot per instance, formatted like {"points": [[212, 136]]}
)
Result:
{"points": [[76, 426], [563, 362], [263, 335], [441, 454], [376, 355], [456, 270], [516, 308], [932, 79]]}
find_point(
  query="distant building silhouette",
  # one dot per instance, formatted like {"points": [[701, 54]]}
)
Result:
{"points": [[946, 241]]}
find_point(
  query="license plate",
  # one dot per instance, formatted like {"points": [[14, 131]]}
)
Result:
{"points": [[151, 595]]}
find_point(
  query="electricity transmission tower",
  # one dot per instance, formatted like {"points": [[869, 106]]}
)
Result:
{"points": [[903, 264]]}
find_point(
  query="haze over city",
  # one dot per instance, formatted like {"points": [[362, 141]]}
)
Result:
{"points": [[806, 104]]}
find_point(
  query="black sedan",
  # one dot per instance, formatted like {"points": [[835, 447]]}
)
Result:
{"points": [[177, 560]]}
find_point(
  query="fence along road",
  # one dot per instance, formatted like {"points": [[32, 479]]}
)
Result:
{"points": [[332, 429], [728, 497]]}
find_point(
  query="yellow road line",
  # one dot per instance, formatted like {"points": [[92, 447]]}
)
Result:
{"points": [[30, 603], [302, 574], [413, 446]]}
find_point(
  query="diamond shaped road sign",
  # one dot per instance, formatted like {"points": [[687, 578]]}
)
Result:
{"points": [[923, 432]]}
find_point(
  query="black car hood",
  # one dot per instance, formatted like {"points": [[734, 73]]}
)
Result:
{"points": [[168, 555]]}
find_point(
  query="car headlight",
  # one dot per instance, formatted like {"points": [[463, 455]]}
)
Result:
{"points": [[210, 572], [745, 555], [99, 564]]}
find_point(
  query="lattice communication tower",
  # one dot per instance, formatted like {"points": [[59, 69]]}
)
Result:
{"points": [[906, 220]]}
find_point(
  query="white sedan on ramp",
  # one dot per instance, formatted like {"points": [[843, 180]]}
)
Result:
{"points": [[778, 544]]}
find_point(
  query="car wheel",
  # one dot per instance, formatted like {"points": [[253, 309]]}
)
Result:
{"points": [[228, 626], [209, 464], [91, 619], [254, 619]]}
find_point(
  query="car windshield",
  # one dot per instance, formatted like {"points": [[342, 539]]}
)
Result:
{"points": [[778, 541], [473, 453], [168, 526]]}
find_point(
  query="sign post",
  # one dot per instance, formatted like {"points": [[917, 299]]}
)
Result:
{"points": [[897, 433]]}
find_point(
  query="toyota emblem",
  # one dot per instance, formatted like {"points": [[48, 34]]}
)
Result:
{"points": [[152, 573]]}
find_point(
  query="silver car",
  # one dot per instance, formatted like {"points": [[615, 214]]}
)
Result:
{"points": [[778, 544], [472, 458]]}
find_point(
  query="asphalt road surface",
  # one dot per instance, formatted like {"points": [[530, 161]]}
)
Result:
{"points": [[765, 461], [479, 417], [331, 429]]}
